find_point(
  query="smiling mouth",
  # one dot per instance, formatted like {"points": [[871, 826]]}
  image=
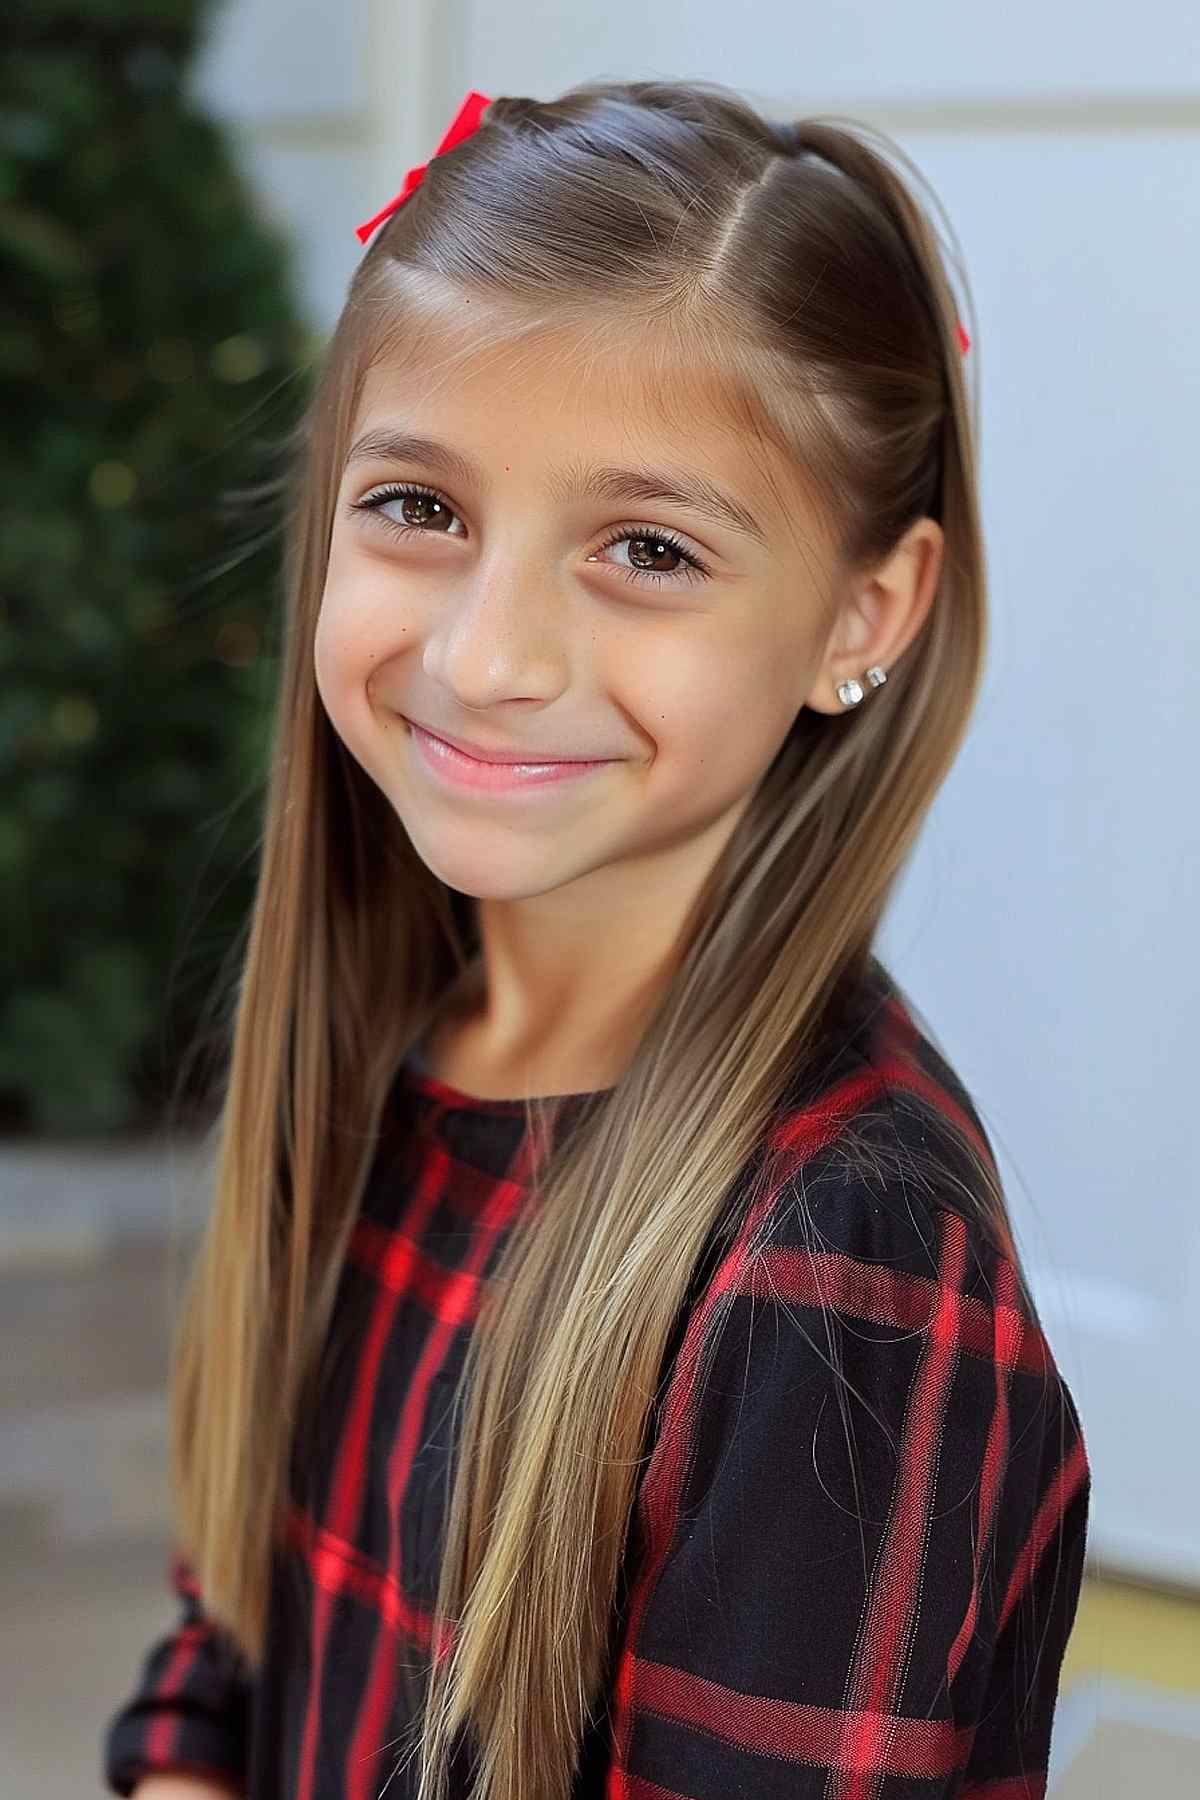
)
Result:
{"points": [[506, 758], [451, 767]]}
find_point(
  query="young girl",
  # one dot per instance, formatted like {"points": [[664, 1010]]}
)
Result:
{"points": [[609, 1369]]}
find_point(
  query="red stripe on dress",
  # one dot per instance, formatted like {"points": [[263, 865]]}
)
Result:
{"points": [[815, 1127], [888, 1297], [343, 1569], [881, 1654], [1068, 1479], [1009, 1338], [400, 1264], [163, 1733], [822, 1736]]}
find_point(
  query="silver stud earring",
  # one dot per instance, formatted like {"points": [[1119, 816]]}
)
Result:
{"points": [[851, 692]]}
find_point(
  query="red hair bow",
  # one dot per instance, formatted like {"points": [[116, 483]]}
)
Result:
{"points": [[465, 121]]}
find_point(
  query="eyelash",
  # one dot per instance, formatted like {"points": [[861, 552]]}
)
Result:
{"points": [[694, 570]]}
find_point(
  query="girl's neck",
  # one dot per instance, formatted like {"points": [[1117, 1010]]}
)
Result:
{"points": [[457, 1052]]}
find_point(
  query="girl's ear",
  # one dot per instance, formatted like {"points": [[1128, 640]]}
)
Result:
{"points": [[882, 613]]}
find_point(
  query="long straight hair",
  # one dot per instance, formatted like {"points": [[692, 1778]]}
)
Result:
{"points": [[794, 262]]}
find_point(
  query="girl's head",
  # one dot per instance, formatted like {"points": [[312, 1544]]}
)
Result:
{"points": [[681, 396], [589, 303]]}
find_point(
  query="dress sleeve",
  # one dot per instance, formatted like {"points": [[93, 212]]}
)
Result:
{"points": [[859, 1536], [190, 1710]]}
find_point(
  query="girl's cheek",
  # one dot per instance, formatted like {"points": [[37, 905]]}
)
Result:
{"points": [[337, 651], [705, 701], [353, 644], [344, 641]]}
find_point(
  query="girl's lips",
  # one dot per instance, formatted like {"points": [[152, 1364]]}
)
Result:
{"points": [[479, 752], [463, 771]]}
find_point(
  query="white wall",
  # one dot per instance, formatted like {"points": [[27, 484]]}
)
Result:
{"points": [[1047, 926]]}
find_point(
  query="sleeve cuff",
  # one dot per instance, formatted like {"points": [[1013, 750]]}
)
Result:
{"points": [[198, 1747]]}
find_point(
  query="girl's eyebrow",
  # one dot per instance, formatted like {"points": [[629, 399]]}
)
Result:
{"points": [[602, 481]]}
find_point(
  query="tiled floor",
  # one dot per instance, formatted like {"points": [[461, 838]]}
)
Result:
{"points": [[83, 1344]]}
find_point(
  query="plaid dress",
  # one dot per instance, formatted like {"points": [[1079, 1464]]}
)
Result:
{"points": [[834, 1587]]}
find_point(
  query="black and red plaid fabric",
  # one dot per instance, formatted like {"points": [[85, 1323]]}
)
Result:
{"points": [[856, 1589]]}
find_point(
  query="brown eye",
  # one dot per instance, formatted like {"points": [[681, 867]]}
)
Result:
{"points": [[648, 554], [424, 510], [421, 510], [655, 557]]}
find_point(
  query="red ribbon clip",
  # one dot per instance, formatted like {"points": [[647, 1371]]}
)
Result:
{"points": [[465, 121]]}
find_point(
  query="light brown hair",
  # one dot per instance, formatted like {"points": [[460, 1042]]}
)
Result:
{"points": [[795, 260]]}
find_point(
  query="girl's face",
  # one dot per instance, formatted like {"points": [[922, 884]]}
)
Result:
{"points": [[530, 556]]}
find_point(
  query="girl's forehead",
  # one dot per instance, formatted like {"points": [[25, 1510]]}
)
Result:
{"points": [[597, 386], [443, 338], [559, 374]]}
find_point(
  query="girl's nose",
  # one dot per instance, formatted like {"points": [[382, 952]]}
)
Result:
{"points": [[503, 637]]}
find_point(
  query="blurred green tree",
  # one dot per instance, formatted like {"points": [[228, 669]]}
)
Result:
{"points": [[153, 367]]}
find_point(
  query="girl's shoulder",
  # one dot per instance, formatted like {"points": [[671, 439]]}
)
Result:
{"points": [[878, 1141], [875, 1188], [874, 1272], [871, 1232]]}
